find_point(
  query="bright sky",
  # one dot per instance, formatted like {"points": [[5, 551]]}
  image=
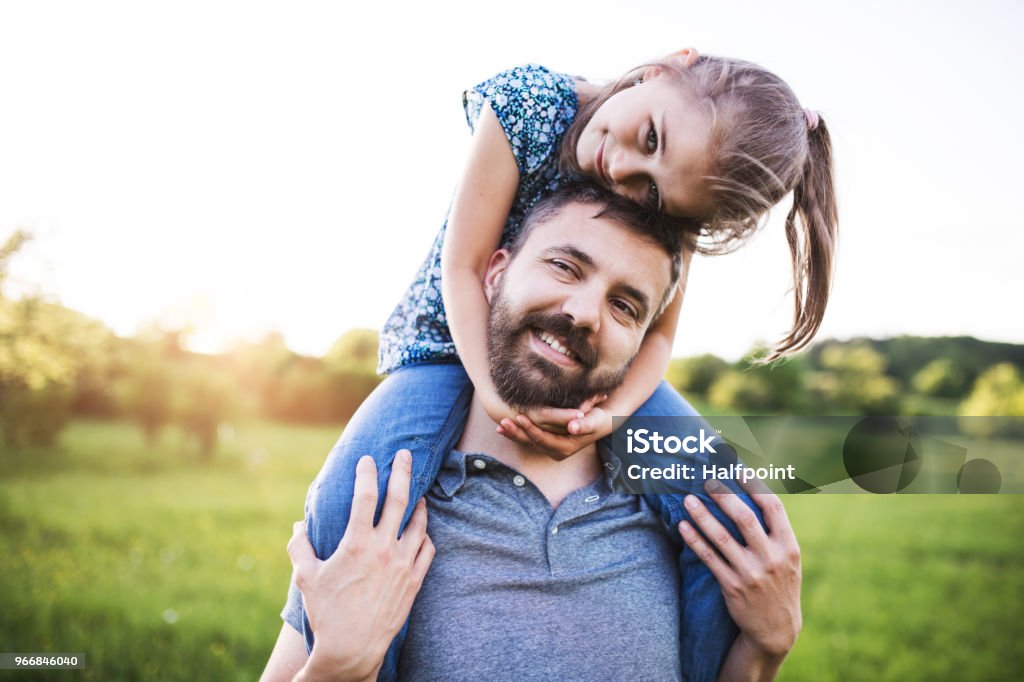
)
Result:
{"points": [[247, 166]]}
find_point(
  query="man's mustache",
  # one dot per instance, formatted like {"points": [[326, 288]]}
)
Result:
{"points": [[575, 338]]}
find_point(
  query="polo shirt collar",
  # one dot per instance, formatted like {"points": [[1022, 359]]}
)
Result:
{"points": [[457, 465]]}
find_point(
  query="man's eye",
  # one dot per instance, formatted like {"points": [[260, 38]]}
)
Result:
{"points": [[625, 309], [652, 140], [563, 266]]}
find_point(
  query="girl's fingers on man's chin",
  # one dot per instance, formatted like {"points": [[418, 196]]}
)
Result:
{"points": [[582, 427], [511, 430], [553, 416]]}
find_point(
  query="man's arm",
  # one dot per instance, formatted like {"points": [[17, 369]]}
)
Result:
{"points": [[373, 573]]}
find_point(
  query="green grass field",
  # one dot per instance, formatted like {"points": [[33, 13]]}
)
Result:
{"points": [[157, 566]]}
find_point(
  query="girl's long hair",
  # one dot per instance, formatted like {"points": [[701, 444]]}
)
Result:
{"points": [[763, 147]]}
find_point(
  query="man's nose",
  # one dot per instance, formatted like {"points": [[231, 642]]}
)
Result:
{"points": [[584, 309]]}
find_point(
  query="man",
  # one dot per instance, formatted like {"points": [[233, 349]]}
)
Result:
{"points": [[543, 569]]}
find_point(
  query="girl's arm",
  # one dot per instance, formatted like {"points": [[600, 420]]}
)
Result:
{"points": [[475, 223], [650, 365], [643, 378]]}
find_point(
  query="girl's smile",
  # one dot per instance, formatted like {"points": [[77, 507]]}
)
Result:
{"points": [[599, 162]]}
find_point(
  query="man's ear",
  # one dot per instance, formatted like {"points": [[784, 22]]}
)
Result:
{"points": [[496, 267], [682, 59]]}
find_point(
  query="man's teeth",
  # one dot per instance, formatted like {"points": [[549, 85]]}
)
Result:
{"points": [[553, 342]]}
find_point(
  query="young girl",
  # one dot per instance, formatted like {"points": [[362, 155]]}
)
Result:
{"points": [[713, 142]]}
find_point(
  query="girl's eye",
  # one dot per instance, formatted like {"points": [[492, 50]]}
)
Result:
{"points": [[652, 191], [652, 140]]}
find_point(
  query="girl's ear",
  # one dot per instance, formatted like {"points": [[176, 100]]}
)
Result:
{"points": [[682, 59], [651, 72]]}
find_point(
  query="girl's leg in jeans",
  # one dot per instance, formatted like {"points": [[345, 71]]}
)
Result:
{"points": [[421, 408], [706, 629]]}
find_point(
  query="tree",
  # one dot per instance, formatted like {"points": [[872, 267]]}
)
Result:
{"points": [[355, 350], [145, 390], [204, 398], [854, 379], [998, 392], [695, 374], [784, 379], [941, 378], [741, 391], [43, 348], [7, 251]]}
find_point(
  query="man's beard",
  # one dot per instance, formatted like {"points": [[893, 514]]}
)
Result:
{"points": [[525, 379]]}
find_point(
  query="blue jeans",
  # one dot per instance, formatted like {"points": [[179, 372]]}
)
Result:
{"points": [[423, 408]]}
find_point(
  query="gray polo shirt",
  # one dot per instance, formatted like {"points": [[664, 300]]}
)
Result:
{"points": [[519, 591]]}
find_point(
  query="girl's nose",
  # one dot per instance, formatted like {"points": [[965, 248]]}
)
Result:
{"points": [[622, 167], [626, 173]]}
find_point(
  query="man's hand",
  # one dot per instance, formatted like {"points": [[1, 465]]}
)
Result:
{"points": [[559, 433], [358, 599], [760, 582]]}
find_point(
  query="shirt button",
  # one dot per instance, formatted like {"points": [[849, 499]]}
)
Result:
{"points": [[519, 480], [554, 531], [479, 463], [593, 498]]}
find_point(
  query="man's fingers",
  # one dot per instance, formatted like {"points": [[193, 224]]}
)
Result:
{"points": [[301, 552], [718, 534], [415, 531], [737, 510], [705, 552], [775, 516], [754, 485], [398, 493], [364, 498], [422, 564]]}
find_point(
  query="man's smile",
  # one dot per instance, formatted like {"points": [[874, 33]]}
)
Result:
{"points": [[548, 345]]}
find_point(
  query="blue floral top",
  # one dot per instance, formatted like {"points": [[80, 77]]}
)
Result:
{"points": [[535, 108]]}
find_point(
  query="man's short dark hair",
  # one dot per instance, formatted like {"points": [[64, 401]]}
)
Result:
{"points": [[650, 226]]}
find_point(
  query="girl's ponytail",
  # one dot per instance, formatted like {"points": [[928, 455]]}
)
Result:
{"points": [[766, 145], [812, 247]]}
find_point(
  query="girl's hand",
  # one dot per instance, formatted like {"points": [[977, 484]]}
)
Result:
{"points": [[760, 582], [561, 421], [595, 425]]}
